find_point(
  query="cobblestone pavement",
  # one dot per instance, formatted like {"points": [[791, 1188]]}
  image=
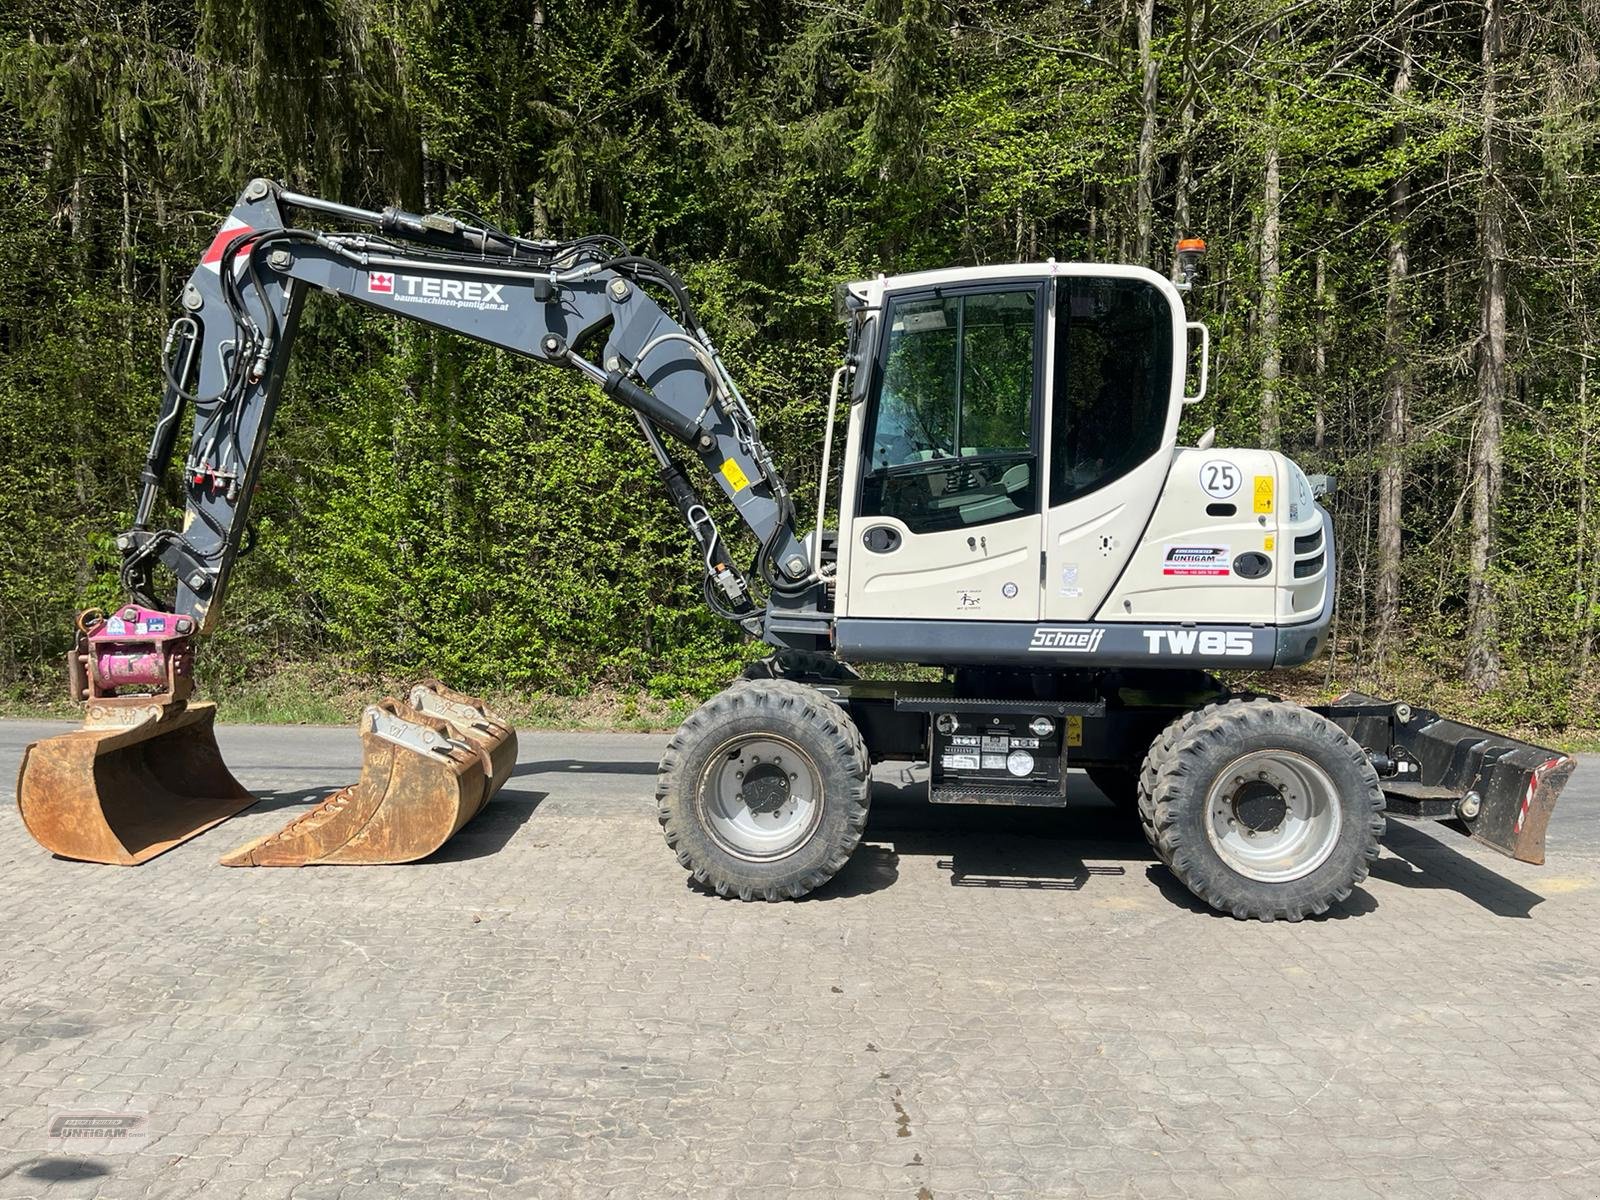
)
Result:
{"points": [[984, 1003]]}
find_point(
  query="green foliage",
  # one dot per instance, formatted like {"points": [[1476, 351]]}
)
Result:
{"points": [[436, 507]]}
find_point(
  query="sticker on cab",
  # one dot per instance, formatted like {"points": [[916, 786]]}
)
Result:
{"points": [[1219, 478], [1264, 493], [1196, 560]]}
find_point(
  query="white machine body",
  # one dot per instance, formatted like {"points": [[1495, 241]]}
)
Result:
{"points": [[1012, 464]]}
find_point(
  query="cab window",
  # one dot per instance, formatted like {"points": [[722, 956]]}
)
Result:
{"points": [[952, 431], [1113, 381]]}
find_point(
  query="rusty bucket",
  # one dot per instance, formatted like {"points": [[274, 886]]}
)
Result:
{"points": [[127, 791], [472, 720], [428, 767]]}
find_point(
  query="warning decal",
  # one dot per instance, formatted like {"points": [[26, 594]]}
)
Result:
{"points": [[1264, 493]]}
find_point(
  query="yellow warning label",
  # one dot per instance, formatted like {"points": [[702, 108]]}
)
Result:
{"points": [[1074, 731], [1263, 493], [1270, 543], [736, 478]]}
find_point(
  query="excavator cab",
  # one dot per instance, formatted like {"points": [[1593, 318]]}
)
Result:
{"points": [[145, 774]]}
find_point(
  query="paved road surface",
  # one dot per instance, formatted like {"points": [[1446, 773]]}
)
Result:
{"points": [[984, 1003]]}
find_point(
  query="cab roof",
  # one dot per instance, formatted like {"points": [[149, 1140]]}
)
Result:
{"points": [[871, 291]]}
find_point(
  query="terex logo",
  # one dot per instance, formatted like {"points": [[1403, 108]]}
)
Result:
{"points": [[1067, 641], [1213, 643], [425, 289]]}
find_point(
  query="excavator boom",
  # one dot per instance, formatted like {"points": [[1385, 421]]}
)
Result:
{"points": [[144, 774]]}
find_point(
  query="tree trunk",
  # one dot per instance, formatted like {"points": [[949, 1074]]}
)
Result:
{"points": [[163, 272], [1584, 624], [1271, 301], [1391, 472], [1483, 654], [1144, 186], [1185, 185], [1319, 358]]}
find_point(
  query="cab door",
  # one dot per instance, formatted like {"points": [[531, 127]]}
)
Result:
{"points": [[1116, 397], [947, 508]]}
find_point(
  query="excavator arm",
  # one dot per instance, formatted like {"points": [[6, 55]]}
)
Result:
{"points": [[583, 305], [144, 773]]}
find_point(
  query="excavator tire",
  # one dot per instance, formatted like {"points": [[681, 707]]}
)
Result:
{"points": [[763, 791], [1264, 810], [428, 767], [123, 794], [1157, 755]]}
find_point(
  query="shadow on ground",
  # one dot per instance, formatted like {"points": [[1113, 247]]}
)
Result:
{"points": [[1067, 848], [1424, 861], [62, 1169], [579, 766], [1021, 849], [490, 830]]}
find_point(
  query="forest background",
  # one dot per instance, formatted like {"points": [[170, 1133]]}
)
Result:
{"points": [[1404, 266]]}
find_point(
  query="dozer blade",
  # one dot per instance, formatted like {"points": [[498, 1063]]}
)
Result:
{"points": [[124, 794], [423, 777]]}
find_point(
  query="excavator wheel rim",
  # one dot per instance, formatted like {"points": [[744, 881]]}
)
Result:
{"points": [[745, 827], [1301, 831]]}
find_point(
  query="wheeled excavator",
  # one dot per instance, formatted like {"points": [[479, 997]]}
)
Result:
{"points": [[1014, 508]]}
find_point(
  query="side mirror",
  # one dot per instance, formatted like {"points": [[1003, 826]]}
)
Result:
{"points": [[863, 349], [841, 302], [1205, 360], [1322, 485]]}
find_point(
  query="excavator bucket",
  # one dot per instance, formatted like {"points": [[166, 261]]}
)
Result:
{"points": [[428, 767], [125, 793]]}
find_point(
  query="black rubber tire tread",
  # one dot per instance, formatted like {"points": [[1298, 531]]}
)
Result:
{"points": [[803, 715], [1149, 770], [1185, 759], [1159, 750]]}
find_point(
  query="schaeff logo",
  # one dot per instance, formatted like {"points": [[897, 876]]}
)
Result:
{"points": [[425, 289], [1068, 641]]}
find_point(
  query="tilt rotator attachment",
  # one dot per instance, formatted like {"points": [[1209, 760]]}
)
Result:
{"points": [[144, 774], [1491, 787]]}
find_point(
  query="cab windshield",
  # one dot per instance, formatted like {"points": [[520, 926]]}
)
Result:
{"points": [[953, 427]]}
